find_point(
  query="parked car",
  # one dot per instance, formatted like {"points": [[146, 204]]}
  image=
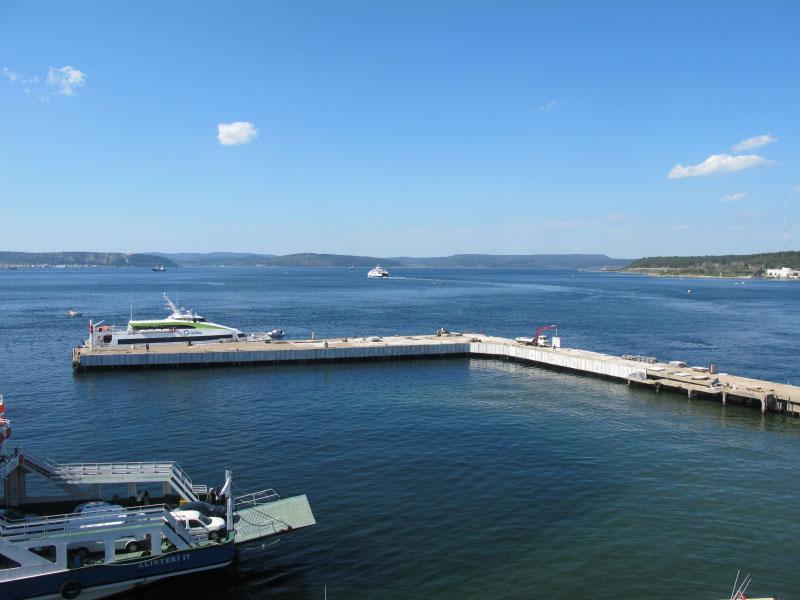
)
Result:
{"points": [[199, 524], [208, 509], [103, 514]]}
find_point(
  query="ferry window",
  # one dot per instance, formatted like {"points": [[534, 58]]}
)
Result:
{"points": [[48, 552], [193, 523], [106, 339], [7, 563]]}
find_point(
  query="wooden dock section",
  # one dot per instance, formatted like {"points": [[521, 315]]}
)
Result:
{"points": [[693, 381]]}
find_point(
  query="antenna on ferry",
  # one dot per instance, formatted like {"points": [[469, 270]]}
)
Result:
{"points": [[172, 306]]}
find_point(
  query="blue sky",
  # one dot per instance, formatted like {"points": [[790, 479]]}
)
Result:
{"points": [[399, 128]]}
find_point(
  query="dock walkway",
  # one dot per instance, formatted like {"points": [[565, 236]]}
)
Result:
{"points": [[693, 381]]}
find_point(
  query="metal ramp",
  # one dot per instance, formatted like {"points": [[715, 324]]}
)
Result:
{"points": [[262, 515], [70, 476]]}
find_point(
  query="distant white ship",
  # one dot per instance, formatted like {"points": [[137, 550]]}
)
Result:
{"points": [[378, 272], [158, 269]]}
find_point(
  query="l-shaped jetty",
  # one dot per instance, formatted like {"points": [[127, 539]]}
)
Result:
{"points": [[694, 381]]}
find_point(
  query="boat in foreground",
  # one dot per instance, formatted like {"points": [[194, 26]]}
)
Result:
{"points": [[99, 549]]}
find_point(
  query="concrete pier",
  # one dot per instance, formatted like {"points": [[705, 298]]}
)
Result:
{"points": [[693, 381]]}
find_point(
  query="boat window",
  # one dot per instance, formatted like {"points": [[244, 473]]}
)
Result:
{"points": [[181, 324], [48, 552], [205, 520], [7, 563], [106, 339], [194, 523]]}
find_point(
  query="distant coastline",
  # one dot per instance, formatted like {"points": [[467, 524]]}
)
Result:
{"points": [[587, 262], [712, 266], [715, 266]]}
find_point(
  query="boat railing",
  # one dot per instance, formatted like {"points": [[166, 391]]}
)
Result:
{"points": [[255, 498], [83, 473], [91, 522], [7, 464]]}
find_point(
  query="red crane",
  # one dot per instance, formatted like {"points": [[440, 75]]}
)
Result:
{"points": [[543, 328]]}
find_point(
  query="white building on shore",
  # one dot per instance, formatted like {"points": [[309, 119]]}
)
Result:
{"points": [[783, 273]]}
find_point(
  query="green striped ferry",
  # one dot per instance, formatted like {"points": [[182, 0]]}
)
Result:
{"points": [[180, 326]]}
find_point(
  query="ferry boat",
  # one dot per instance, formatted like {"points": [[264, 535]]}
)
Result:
{"points": [[378, 272], [180, 326], [158, 269], [88, 553]]}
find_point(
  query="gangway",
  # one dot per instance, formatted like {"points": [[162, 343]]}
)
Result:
{"points": [[262, 514]]}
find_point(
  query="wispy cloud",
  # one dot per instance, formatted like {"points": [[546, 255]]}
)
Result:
{"points": [[65, 79], [62, 81], [719, 163], [236, 133], [733, 197], [9, 74], [754, 142], [550, 106]]}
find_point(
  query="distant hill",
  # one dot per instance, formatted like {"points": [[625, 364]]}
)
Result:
{"points": [[518, 261], [725, 264], [218, 259], [83, 259], [249, 259], [328, 260]]}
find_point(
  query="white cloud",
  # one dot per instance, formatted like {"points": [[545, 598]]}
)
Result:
{"points": [[733, 197], [235, 134], [66, 79], [10, 74], [754, 142], [552, 105], [719, 163]]}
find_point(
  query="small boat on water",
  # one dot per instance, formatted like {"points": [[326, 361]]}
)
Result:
{"points": [[74, 313], [180, 326], [158, 269], [84, 545], [378, 272]]}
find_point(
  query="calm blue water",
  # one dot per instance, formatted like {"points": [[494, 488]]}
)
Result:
{"points": [[449, 478]]}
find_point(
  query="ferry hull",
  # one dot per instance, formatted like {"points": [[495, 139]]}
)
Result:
{"points": [[103, 581], [171, 338]]}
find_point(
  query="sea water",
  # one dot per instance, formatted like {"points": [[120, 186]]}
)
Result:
{"points": [[454, 478]]}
